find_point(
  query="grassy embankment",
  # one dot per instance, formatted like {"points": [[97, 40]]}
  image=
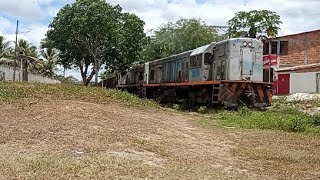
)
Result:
{"points": [[18, 91], [283, 116]]}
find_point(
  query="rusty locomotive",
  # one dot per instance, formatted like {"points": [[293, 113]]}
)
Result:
{"points": [[228, 73]]}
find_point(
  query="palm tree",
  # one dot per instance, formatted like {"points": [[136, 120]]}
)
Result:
{"points": [[46, 43], [5, 48], [27, 49], [48, 62]]}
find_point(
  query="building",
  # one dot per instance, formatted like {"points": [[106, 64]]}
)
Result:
{"points": [[297, 79], [294, 62]]}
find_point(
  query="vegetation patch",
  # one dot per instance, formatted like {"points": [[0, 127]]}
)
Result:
{"points": [[15, 91], [281, 116]]}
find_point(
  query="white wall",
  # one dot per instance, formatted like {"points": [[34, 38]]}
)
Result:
{"points": [[303, 82], [8, 76]]}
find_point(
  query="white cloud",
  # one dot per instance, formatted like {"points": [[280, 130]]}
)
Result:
{"points": [[52, 11], [21, 8], [32, 32], [5, 24], [37, 32], [297, 15]]}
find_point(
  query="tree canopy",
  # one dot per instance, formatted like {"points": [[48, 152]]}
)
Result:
{"points": [[43, 63], [90, 33], [5, 48], [180, 36], [26, 48], [256, 21]]}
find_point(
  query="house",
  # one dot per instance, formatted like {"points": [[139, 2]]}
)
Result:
{"points": [[294, 62], [297, 79]]}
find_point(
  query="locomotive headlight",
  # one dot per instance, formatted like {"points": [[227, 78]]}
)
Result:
{"points": [[250, 44], [245, 43]]}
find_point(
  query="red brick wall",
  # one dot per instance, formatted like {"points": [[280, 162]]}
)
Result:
{"points": [[297, 46]]}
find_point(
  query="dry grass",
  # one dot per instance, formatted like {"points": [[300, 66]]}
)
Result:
{"points": [[43, 137], [81, 140], [281, 155]]}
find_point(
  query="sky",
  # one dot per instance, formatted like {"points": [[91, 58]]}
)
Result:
{"points": [[35, 15]]}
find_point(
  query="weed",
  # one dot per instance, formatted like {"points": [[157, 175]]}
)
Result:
{"points": [[282, 116], [316, 120]]}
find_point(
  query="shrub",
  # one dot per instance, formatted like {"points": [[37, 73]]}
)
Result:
{"points": [[284, 119], [297, 124], [316, 120]]}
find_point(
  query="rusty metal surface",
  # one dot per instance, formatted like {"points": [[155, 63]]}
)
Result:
{"points": [[184, 84]]}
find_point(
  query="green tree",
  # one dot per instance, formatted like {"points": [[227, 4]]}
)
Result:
{"points": [[183, 35], [27, 49], [28, 55], [66, 80], [48, 62], [90, 33], [256, 22], [104, 75], [47, 44], [5, 48]]}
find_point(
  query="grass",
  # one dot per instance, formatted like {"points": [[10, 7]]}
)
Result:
{"points": [[63, 135], [61, 166], [281, 116], [14, 91]]}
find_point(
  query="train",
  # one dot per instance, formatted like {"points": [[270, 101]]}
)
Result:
{"points": [[228, 73]]}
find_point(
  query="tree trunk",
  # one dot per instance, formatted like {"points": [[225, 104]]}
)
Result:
{"points": [[86, 80], [83, 74], [96, 71]]}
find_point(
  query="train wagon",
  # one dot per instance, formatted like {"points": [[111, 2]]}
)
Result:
{"points": [[229, 72]]}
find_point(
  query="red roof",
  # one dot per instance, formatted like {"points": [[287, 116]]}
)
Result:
{"points": [[294, 68], [297, 33]]}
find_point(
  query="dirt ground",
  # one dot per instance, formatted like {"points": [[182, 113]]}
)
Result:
{"points": [[79, 140]]}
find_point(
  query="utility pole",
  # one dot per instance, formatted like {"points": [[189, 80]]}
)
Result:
{"points": [[15, 53]]}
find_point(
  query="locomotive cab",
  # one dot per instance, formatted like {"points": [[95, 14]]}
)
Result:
{"points": [[201, 63], [238, 59]]}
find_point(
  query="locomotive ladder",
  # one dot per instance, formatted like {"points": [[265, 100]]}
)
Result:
{"points": [[215, 93]]}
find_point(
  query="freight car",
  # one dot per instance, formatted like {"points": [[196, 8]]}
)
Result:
{"points": [[229, 72]]}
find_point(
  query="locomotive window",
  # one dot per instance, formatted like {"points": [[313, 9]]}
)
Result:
{"points": [[195, 61], [152, 75], [199, 60], [141, 76], [207, 58], [221, 50]]}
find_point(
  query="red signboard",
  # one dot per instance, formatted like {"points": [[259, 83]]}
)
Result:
{"points": [[271, 59]]}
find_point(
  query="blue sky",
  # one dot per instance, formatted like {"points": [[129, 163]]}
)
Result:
{"points": [[35, 15]]}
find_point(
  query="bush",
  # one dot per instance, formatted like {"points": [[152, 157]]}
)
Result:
{"points": [[297, 124], [316, 120], [285, 118]]}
